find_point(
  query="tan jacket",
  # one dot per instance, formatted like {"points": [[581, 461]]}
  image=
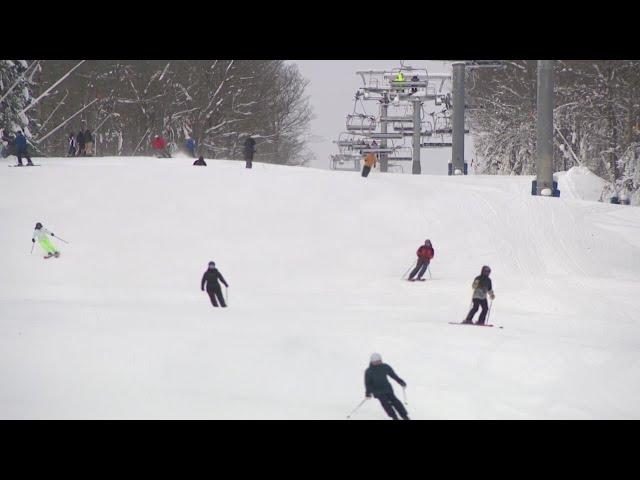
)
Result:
{"points": [[370, 160]]}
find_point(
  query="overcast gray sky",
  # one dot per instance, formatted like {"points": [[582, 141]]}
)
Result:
{"points": [[332, 90]]}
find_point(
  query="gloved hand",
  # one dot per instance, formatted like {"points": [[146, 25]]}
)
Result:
{"points": [[368, 395], [492, 296], [403, 384], [33, 240], [52, 234]]}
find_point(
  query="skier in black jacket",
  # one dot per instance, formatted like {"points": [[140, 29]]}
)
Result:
{"points": [[376, 384], [210, 278], [249, 150], [481, 287]]}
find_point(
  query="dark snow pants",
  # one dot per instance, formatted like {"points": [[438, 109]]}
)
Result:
{"points": [[23, 153], [248, 157], [216, 292], [365, 171], [476, 304], [390, 402], [421, 268]]}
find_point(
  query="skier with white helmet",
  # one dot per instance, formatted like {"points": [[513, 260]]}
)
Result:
{"points": [[42, 235], [377, 385]]}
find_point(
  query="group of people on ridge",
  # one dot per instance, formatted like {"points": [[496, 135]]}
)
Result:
{"points": [[80, 145]]}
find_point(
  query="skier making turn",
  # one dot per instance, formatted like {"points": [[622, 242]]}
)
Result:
{"points": [[42, 235], [481, 287], [376, 384], [425, 254], [210, 278]]}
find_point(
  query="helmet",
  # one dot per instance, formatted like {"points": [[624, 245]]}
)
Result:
{"points": [[38, 226], [212, 264], [376, 358], [485, 270], [427, 241]]}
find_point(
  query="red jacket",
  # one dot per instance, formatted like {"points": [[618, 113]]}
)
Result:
{"points": [[425, 252], [159, 143]]}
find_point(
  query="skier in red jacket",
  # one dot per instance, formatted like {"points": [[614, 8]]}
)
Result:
{"points": [[160, 145], [425, 254]]}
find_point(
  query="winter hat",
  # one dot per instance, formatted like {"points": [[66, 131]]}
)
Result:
{"points": [[212, 264], [376, 358], [38, 226], [427, 241]]}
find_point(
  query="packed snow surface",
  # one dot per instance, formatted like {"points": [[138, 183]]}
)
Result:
{"points": [[117, 327]]}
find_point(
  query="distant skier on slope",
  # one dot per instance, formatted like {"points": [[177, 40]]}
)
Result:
{"points": [[22, 148], [249, 150], [159, 144], [425, 254], [376, 384], [481, 287], [72, 145], [80, 144], [210, 278], [191, 146], [42, 235], [200, 162], [369, 163]]}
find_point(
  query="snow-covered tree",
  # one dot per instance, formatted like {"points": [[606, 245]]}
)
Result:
{"points": [[16, 83]]}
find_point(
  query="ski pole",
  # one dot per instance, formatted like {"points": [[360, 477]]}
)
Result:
{"points": [[404, 394], [226, 293], [32, 245], [489, 311], [408, 269], [359, 405], [429, 269], [61, 239]]}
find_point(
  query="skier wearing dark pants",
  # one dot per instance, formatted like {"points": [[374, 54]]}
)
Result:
{"points": [[481, 287], [425, 254], [210, 279], [21, 148], [376, 384], [249, 150]]}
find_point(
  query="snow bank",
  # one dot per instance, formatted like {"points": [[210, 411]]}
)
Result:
{"points": [[580, 183]]}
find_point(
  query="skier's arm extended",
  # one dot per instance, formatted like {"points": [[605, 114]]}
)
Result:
{"points": [[393, 375], [204, 280], [222, 279]]}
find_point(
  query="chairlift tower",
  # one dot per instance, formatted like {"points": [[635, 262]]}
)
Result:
{"points": [[408, 94]]}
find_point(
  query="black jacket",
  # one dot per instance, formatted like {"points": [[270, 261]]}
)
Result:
{"points": [[80, 138], [249, 145], [88, 138], [375, 379], [211, 277]]}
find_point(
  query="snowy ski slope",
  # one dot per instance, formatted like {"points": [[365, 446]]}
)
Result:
{"points": [[117, 327]]}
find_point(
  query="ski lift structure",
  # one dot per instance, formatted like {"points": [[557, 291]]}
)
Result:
{"points": [[406, 99]]}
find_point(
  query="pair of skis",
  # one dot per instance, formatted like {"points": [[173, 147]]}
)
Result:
{"points": [[18, 165]]}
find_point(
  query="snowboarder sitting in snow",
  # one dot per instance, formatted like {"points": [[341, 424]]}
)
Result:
{"points": [[210, 278], [42, 234], [425, 254], [200, 161], [160, 145], [481, 287], [376, 384], [21, 148]]}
